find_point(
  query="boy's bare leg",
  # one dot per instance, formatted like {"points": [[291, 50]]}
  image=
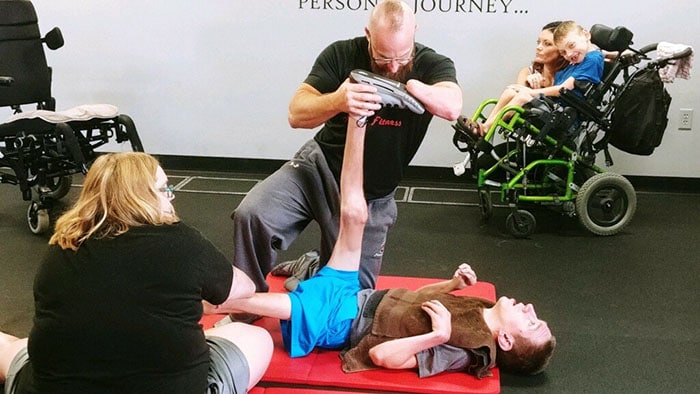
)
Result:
{"points": [[347, 251], [353, 206]]}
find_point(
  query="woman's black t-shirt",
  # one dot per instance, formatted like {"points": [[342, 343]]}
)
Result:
{"points": [[122, 314]]}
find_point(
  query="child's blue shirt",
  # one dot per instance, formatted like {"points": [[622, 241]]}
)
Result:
{"points": [[590, 69]]}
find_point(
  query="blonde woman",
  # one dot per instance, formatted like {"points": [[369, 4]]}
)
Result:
{"points": [[118, 298]]}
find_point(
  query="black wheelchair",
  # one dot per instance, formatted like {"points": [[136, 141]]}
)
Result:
{"points": [[549, 149], [41, 150]]}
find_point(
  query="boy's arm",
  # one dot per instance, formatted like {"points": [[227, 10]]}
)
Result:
{"points": [[275, 305], [241, 287], [401, 353], [554, 91], [589, 70], [464, 276]]}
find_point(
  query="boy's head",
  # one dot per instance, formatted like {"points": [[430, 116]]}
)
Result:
{"points": [[525, 343], [526, 357], [573, 41]]}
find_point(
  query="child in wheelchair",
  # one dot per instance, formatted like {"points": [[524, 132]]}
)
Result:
{"points": [[585, 64], [550, 135]]}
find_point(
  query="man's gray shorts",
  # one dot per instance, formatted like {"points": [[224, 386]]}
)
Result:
{"points": [[229, 371]]}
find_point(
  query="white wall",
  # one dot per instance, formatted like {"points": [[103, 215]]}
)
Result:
{"points": [[213, 78]]}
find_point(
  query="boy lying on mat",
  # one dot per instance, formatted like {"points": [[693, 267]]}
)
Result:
{"points": [[428, 329]]}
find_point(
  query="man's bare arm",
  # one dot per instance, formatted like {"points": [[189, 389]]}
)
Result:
{"points": [[443, 99], [310, 108]]}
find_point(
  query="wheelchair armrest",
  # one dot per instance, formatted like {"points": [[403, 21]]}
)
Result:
{"points": [[584, 86], [580, 104], [6, 81]]}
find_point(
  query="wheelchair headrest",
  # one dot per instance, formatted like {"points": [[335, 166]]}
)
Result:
{"points": [[609, 39], [54, 38], [16, 12], [18, 21], [22, 54]]}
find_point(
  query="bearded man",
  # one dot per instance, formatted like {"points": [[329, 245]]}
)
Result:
{"points": [[306, 188]]}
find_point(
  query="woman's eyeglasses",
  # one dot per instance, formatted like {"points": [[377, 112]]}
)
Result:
{"points": [[168, 191]]}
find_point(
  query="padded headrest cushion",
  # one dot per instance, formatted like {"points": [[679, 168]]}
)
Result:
{"points": [[609, 39], [16, 12], [18, 21]]}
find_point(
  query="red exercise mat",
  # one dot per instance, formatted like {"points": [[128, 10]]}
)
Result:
{"points": [[322, 368]]}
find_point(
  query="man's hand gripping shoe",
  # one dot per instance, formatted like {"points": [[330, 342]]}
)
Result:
{"points": [[393, 93]]}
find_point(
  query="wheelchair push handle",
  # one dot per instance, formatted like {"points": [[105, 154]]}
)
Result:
{"points": [[662, 61]]}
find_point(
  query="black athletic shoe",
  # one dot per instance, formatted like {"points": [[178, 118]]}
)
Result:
{"points": [[247, 318], [298, 270]]}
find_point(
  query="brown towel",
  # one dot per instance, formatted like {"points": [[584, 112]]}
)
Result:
{"points": [[399, 315]]}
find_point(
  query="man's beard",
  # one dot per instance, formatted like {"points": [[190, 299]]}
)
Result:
{"points": [[401, 75]]}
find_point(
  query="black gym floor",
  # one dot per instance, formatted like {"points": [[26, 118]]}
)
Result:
{"points": [[624, 308]]}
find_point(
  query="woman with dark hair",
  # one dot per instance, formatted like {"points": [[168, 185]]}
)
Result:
{"points": [[539, 75], [547, 61]]}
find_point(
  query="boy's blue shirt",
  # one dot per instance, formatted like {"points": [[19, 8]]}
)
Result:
{"points": [[590, 69]]}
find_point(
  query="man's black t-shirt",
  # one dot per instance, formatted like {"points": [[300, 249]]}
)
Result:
{"points": [[393, 135]]}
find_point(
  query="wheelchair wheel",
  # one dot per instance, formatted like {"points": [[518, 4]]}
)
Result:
{"points": [[485, 204], [38, 218], [56, 188], [521, 223], [606, 203]]}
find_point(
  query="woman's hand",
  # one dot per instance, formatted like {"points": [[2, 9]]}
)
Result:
{"points": [[534, 80]]}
